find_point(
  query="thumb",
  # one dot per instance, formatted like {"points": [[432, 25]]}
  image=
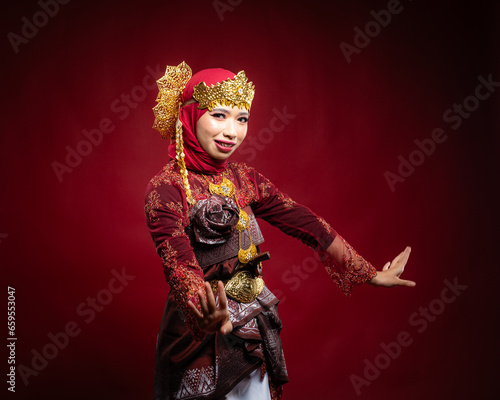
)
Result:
{"points": [[227, 327], [403, 282]]}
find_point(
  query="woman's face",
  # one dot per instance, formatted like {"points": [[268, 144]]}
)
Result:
{"points": [[222, 130]]}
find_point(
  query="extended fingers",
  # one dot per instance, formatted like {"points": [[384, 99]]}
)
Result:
{"points": [[194, 310], [212, 317], [222, 296], [405, 256], [203, 302], [212, 307], [397, 259], [401, 259]]}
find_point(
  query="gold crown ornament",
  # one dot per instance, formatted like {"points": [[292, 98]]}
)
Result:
{"points": [[170, 87], [231, 92]]}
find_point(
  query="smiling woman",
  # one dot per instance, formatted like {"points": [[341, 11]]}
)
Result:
{"points": [[221, 131], [220, 333]]}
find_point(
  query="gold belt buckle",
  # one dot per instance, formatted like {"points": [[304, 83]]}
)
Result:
{"points": [[243, 287]]}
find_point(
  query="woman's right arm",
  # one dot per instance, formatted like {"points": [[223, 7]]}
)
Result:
{"points": [[166, 214]]}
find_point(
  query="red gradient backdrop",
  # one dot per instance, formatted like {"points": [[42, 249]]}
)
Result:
{"points": [[92, 65]]}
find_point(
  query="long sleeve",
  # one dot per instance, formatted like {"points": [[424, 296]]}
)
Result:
{"points": [[344, 265], [167, 219]]}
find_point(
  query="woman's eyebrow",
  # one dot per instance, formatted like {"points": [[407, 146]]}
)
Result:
{"points": [[221, 110], [224, 111]]}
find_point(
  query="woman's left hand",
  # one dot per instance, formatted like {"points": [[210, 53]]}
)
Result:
{"points": [[389, 276]]}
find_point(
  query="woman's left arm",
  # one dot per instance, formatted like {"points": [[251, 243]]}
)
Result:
{"points": [[344, 265]]}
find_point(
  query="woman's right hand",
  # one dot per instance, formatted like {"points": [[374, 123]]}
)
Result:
{"points": [[212, 318]]}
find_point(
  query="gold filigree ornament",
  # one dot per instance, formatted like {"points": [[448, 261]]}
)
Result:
{"points": [[244, 256], [243, 287], [225, 188], [170, 87], [243, 221], [231, 92]]}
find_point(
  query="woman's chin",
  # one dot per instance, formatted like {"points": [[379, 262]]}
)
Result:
{"points": [[220, 156]]}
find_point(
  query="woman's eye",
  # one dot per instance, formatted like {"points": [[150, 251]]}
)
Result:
{"points": [[243, 119], [218, 115]]}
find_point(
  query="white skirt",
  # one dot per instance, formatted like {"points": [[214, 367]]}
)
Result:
{"points": [[251, 388]]}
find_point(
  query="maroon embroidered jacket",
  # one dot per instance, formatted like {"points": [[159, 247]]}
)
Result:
{"points": [[184, 349]]}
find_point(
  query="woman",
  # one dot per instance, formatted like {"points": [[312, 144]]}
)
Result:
{"points": [[219, 336]]}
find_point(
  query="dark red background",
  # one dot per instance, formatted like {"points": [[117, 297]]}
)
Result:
{"points": [[61, 240]]}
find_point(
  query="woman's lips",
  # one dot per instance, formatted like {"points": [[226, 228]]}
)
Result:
{"points": [[224, 146]]}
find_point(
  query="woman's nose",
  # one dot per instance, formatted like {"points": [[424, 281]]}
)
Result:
{"points": [[230, 130]]}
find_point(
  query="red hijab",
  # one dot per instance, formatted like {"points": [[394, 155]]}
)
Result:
{"points": [[195, 157]]}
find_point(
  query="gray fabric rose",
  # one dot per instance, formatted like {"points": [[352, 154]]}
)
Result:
{"points": [[214, 219]]}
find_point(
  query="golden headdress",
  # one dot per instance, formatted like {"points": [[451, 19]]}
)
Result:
{"points": [[231, 92], [170, 87]]}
